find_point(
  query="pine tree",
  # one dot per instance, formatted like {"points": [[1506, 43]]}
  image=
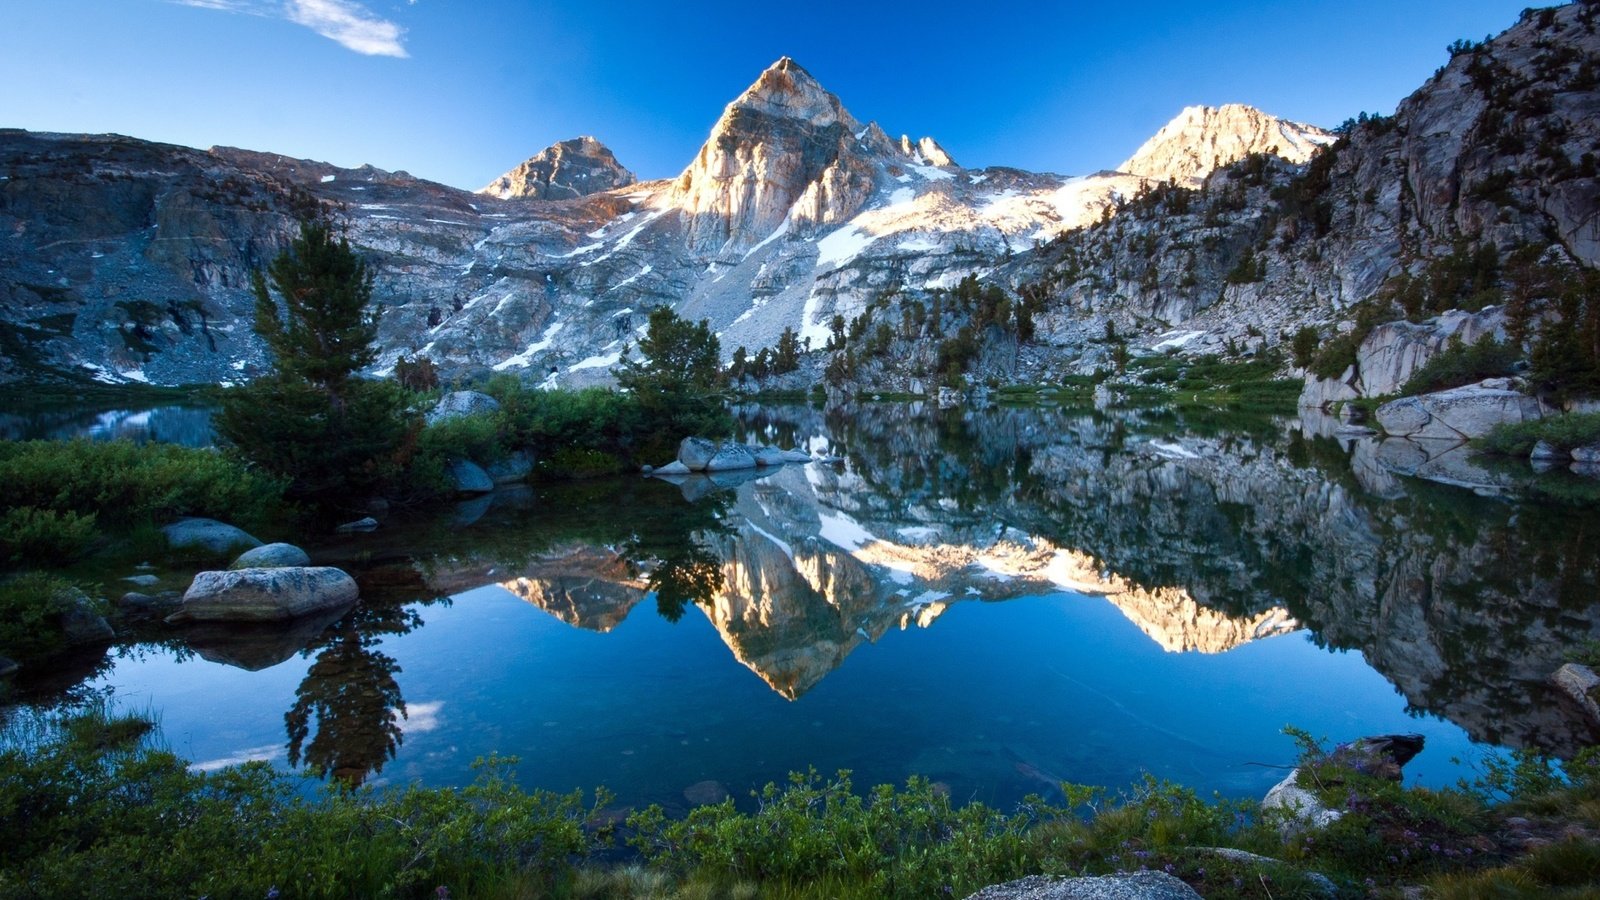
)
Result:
{"points": [[332, 434]]}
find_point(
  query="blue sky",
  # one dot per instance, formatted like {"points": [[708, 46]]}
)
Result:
{"points": [[461, 90]]}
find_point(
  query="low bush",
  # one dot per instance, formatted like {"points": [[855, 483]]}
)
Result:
{"points": [[1461, 364], [30, 536], [122, 484], [93, 808], [31, 607], [1564, 432]]}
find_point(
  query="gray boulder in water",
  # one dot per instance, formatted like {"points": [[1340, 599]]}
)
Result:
{"points": [[468, 478], [731, 456], [272, 556], [696, 452], [208, 534], [265, 595]]}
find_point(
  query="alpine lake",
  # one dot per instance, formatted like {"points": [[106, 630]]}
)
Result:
{"points": [[998, 598]]}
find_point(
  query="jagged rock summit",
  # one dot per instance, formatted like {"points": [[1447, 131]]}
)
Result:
{"points": [[785, 153], [563, 171], [1202, 139]]}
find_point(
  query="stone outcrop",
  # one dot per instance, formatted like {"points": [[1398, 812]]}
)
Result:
{"points": [[265, 595], [467, 477], [460, 404], [563, 171], [1459, 414]]}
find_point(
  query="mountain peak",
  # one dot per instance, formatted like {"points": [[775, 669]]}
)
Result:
{"points": [[787, 91], [564, 170], [1202, 139]]}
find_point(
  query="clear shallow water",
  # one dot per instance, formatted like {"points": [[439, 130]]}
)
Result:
{"points": [[999, 600]]}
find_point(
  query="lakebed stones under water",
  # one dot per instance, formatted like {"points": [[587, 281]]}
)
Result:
{"points": [[265, 595]]}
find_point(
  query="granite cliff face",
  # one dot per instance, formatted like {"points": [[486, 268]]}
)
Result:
{"points": [[563, 171]]}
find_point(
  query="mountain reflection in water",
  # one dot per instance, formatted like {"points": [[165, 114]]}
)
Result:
{"points": [[1207, 534]]}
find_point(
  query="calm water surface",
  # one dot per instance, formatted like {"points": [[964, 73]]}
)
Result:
{"points": [[999, 600]]}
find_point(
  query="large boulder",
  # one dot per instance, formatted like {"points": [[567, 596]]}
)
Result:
{"points": [[467, 477], [209, 535], [730, 457], [272, 556], [695, 452], [460, 404], [1132, 886], [1459, 413], [265, 595]]}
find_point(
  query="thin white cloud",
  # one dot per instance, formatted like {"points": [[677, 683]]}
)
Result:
{"points": [[346, 21]]}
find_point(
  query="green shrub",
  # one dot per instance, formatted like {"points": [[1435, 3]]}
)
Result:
{"points": [[92, 809], [1565, 432], [44, 536], [1460, 364], [124, 484], [31, 606]]}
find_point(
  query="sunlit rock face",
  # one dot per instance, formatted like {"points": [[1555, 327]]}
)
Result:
{"points": [[563, 171], [1203, 139]]}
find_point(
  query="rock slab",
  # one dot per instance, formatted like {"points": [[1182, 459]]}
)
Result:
{"points": [[1459, 413], [265, 595]]}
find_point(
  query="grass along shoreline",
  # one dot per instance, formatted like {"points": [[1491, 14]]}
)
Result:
{"points": [[94, 806]]}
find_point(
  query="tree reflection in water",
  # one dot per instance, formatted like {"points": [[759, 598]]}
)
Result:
{"points": [[351, 692]]}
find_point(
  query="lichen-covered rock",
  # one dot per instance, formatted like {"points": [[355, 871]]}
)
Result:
{"points": [[208, 534], [1132, 886], [460, 404], [272, 556], [265, 595], [731, 457]]}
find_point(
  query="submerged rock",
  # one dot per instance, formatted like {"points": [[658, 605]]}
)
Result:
{"points": [[208, 534], [705, 793], [272, 556], [359, 525], [265, 595]]}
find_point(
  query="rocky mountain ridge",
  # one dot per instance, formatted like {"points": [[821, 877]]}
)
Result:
{"points": [[129, 261]]}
